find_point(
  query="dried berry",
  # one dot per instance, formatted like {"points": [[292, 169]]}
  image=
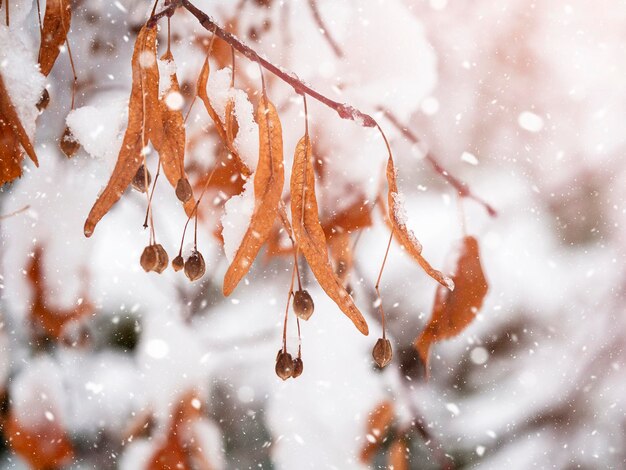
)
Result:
{"points": [[149, 258], [183, 190], [69, 145], [163, 259], [44, 100], [178, 263], [154, 258], [382, 352], [194, 266], [298, 367], [284, 365], [303, 304], [141, 180]]}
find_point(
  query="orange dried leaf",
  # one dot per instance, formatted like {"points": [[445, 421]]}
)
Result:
{"points": [[454, 310], [398, 456], [51, 321], [356, 217], [203, 78], [12, 135], [268, 187], [232, 126], [403, 234], [169, 141], [143, 107], [340, 245], [378, 425], [56, 23], [310, 236], [44, 446]]}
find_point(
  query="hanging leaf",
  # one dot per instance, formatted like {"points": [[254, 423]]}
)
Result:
{"points": [[44, 445], [169, 140], [143, 107], [355, 217], [56, 24], [268, 187], [398, 456], [309, 234], [403, 234], [44, 318], [12, 136], [232, 126], [454, 310], [203, 79], [378, 426], [179, 448]]}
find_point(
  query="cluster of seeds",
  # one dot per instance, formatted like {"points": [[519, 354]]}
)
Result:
{"points": [[287, 367]]}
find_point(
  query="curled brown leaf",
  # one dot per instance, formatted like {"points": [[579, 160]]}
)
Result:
{"points": [[169, 138], [56, 23], [378, 425], [12, 136], [454, 310], [143, 115], [403, 234], [310, 236], [268, 186]]}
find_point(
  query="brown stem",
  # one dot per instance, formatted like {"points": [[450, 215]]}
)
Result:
{"points": [[344, 110], [460, 186], [324, 30], [377, 286]]}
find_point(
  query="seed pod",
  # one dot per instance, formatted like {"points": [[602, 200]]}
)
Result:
{"points": [[382, 352], [183, 190], [178, 263], [44, 100], [163, 259], [303, 304], [69, 145], [149, 258], [140, 182], [284, 365], [154, 258], [194, 266], [298, 367]]}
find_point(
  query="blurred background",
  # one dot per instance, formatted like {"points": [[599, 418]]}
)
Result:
{"points": [[105, 366]]}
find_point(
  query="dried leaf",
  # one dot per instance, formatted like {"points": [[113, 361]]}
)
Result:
{"points": [[309, 234], [232, 126], [454, 310], [378, 425], [203, 78], [356, 217], [56, 24], [169, 141], [173, 451], [12, 135], [142, 107], [43, 446], [268, 187], [402, 233], [398, 456], [51, 321]]}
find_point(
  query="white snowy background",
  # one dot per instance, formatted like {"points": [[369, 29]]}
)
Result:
{"points": [[523, 100]]}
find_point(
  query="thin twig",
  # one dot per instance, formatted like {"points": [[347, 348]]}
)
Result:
{"points": [[460, 186], [344, 110], [324, 30], [19, 211]]}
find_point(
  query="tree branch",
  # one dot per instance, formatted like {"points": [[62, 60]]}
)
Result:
{"points": [[461, 187], [324, 30], [344, 110]]}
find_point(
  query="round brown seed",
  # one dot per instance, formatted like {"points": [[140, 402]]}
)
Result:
{"points": [[284, 365], [298, 367], [69, 145], [183, 190], [382, 352], [178, 263], [149, 258], [141, 180], [163, 259], [44, 100], [303, 304], [195, 266]]}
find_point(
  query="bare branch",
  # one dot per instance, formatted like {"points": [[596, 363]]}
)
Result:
{"points": [[324, 30]]}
